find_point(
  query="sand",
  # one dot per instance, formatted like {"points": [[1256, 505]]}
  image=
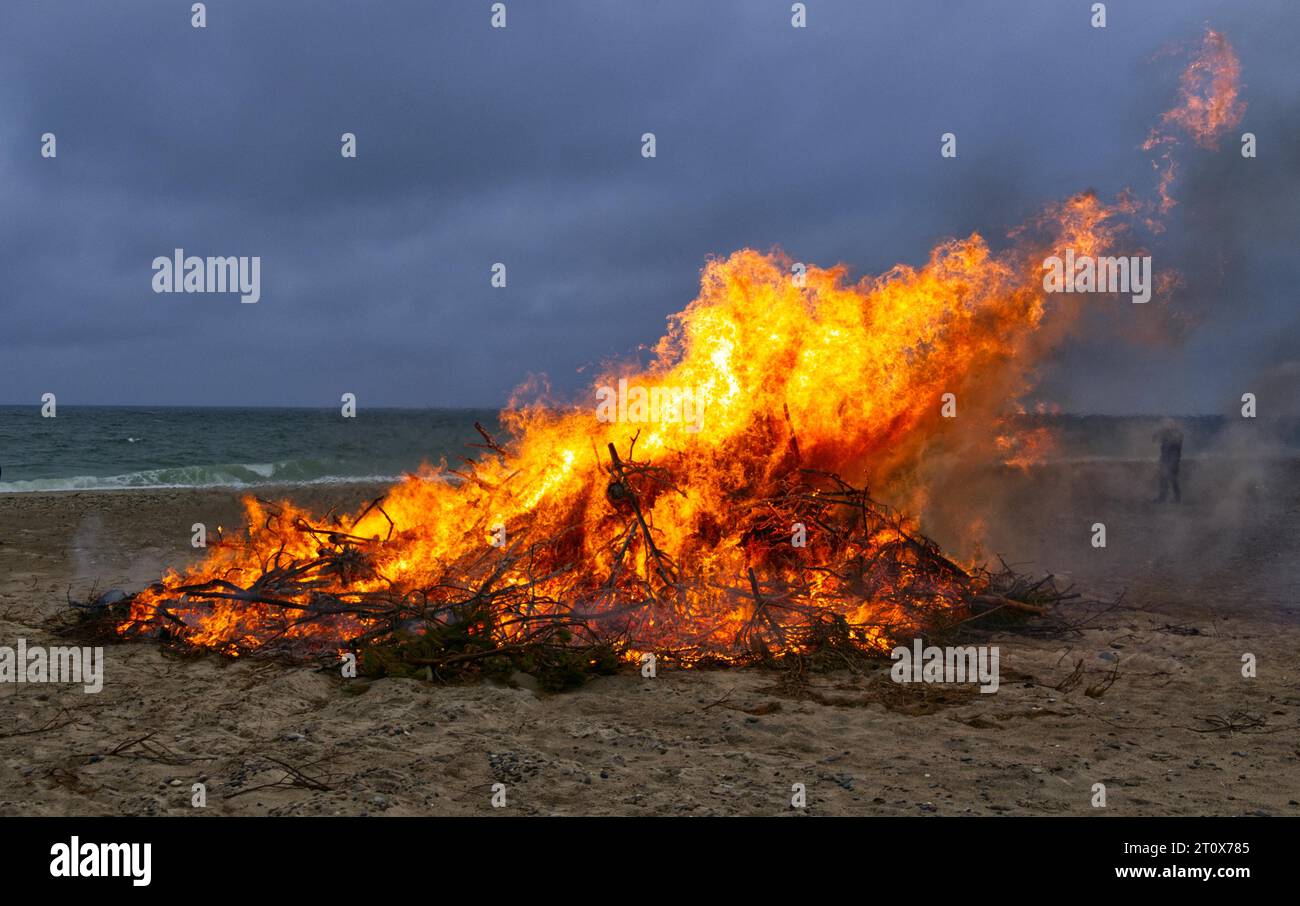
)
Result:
{"points": [[1204, 583]]}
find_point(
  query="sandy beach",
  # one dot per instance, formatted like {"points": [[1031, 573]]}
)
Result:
{"points": [[1178, 732]]}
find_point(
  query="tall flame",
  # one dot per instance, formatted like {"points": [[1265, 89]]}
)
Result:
{"points": [[819, 373], [671, 529]]}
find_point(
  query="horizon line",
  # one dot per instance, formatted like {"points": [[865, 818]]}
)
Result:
{"points": [[500, 409]]}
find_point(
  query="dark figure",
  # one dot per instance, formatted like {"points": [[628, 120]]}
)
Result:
{"points": [[1171, 454]]}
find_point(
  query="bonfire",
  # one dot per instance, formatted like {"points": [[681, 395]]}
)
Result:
{"points": [[744, 532], [737, 518]]}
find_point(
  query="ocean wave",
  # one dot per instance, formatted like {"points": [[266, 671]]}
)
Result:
{"points": [[306, 472], [234, 476]]}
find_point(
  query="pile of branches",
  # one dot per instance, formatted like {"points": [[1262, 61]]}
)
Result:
{"points": [[533, 606]]}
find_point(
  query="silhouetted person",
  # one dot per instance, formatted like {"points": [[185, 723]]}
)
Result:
{"points": [[1171, 454]]}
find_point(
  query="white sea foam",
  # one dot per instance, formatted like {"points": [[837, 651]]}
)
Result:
{"points": [[234, 477]]}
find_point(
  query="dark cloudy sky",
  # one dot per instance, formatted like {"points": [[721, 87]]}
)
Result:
{"points": [[523, 146]]}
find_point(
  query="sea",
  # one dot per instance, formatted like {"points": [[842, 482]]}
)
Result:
{"points": [[105, 448]]}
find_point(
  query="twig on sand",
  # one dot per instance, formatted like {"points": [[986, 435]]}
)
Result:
{"points": [[294, 777], [53, 723]]}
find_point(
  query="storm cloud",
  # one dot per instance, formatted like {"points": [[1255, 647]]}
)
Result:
{"points": [[522, 146]]}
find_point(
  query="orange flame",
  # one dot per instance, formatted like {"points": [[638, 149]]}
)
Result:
{"points": [[664, 516], [819, 373], [1209, 105]]}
